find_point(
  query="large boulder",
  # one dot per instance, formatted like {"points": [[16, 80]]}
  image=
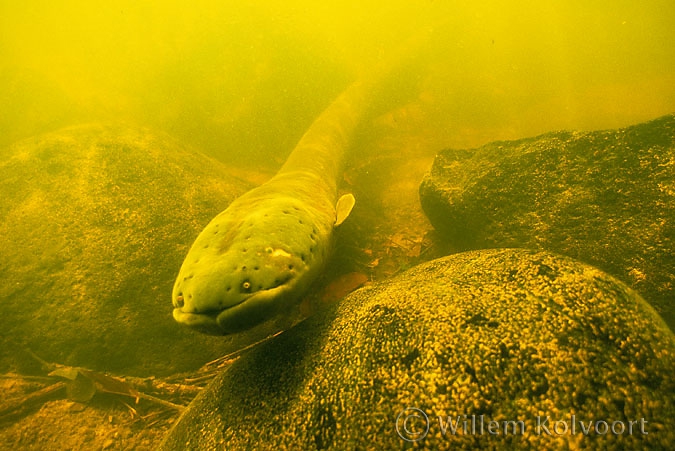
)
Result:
{"points": [[487, 336], [95, 221], [606, 198]]}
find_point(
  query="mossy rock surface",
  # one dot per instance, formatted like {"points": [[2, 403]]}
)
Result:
{"points": [[95, 221], [606, 198], [508, 334]]}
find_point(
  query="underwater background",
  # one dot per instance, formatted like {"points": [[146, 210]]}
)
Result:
{"points": [[125, 127], [243, 80]]}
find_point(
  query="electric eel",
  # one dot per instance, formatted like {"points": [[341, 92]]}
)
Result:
{"points": [[256, 260]]}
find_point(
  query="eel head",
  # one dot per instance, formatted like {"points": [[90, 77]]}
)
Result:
{"points": [[251, 264]]}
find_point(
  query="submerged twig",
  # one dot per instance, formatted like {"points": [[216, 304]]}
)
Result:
{"points": [[31, 400]]}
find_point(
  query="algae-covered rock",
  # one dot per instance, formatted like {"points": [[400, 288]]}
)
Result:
{"points": [[606, 198], [496, 335], [94, 224]]}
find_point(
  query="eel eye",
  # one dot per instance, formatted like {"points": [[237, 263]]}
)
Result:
{"points": [[246, 285]]}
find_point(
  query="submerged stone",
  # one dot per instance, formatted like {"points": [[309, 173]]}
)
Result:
{"points": [[94, 223], [606, 198], [487, 336]]}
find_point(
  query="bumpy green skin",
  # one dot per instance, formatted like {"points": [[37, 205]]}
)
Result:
{"points": [[509, 334], [255, 260]]}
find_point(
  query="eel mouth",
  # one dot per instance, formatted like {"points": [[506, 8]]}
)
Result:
{"points": [[206, 323], [255, 309]]}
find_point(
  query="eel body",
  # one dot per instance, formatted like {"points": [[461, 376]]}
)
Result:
{"points": [[255, 261]]}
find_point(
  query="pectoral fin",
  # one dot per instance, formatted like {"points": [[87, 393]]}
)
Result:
{"points": [[343, 208]]}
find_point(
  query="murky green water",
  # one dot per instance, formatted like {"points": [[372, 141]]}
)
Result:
{"points": [[106, 111], [243, 80]]}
